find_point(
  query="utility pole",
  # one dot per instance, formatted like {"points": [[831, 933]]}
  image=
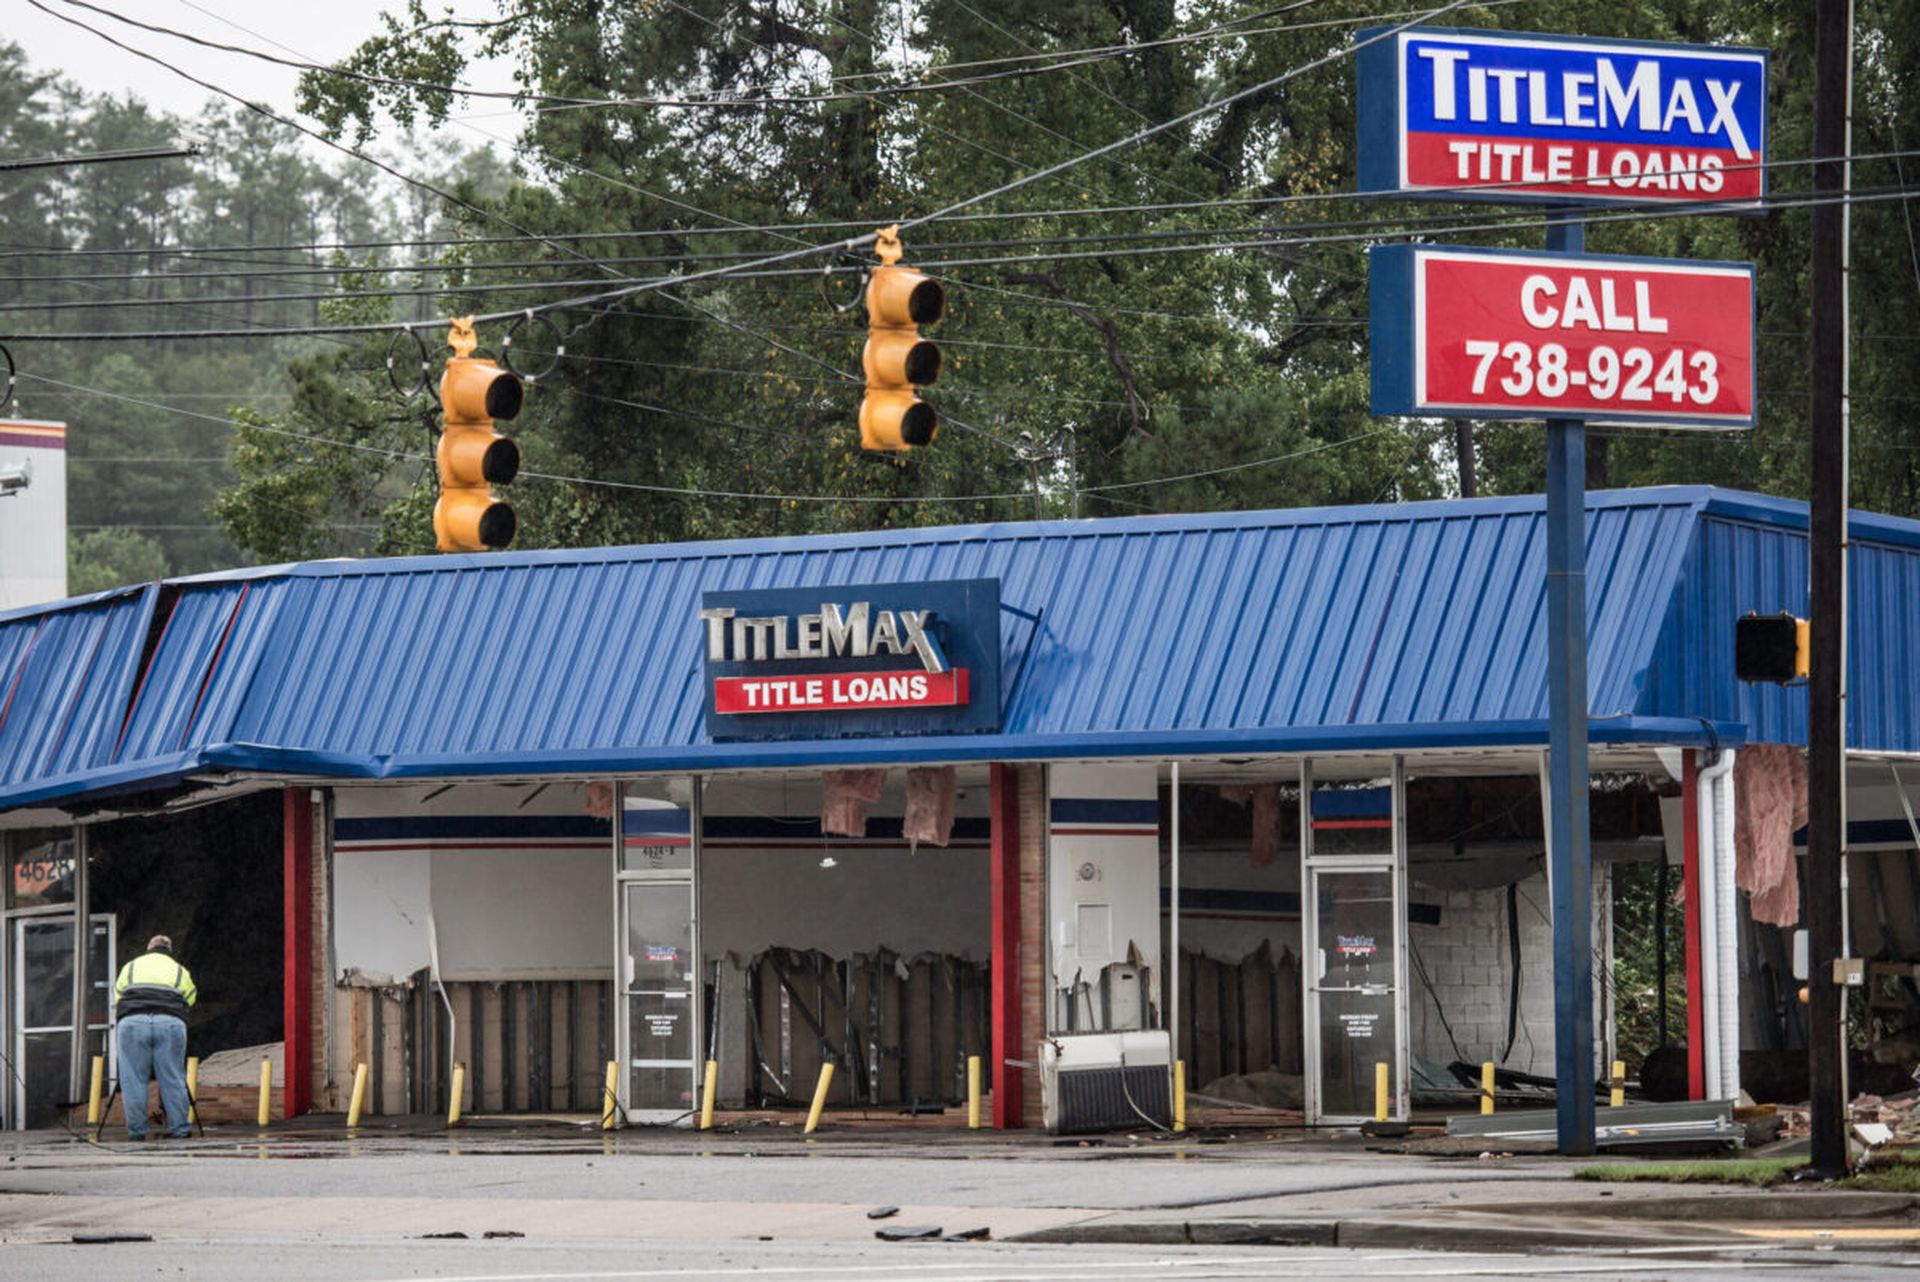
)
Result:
{"points": [[1827, 581], [1463, 453]]}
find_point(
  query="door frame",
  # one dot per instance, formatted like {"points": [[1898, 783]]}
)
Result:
{"points": [[14, 976], [1394, 862], [687, 879]]}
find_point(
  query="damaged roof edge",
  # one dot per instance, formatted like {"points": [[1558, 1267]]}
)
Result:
{"points": [[1680, 732], [325, 767]]}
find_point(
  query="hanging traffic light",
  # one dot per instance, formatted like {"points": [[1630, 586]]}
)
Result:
{"points": [[472, 456], [897, 360], [1770, 647]]}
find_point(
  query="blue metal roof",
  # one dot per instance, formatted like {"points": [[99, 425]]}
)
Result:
{"points": [[1402, 626]]}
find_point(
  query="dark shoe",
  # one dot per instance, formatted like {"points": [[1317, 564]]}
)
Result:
{"points": [[180, 1135]]}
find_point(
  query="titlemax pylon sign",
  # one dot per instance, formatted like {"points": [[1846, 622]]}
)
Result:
{"points": [[1572, 119]]}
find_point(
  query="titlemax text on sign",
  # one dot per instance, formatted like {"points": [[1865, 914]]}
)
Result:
{"points": [[1504, 334], [859, 631], [1533, 116]]}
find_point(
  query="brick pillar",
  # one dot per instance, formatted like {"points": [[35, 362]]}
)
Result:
{"points": [[1004, 895], [1033, 926], [319, 1060], [296, 839]]}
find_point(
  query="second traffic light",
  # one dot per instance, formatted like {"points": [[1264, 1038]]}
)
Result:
{"points": [[897, 359], [472, 456], [1770, 647]]}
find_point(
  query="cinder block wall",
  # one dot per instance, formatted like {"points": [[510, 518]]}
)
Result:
{"points": [[1469, 963]]}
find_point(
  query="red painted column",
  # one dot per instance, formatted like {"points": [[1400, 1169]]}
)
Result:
{"points": [[1005, 895], [296, 932], [1690, 880]]}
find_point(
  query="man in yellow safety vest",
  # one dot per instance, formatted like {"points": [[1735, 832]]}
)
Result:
{"points": [[151, 999]]}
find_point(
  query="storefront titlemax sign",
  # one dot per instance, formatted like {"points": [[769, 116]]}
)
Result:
{"points": [[858, 632], [869, 659]]}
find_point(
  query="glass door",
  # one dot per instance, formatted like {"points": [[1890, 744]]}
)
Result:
{"points": [[43, 995], [661, 996], [1352, 991], [656, 893], [1353, 927]]}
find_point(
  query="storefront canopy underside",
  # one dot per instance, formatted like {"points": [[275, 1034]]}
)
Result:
{"points": [[1410, 627]]}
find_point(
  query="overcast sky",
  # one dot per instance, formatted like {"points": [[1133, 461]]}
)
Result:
{"points": [[323, 31]]}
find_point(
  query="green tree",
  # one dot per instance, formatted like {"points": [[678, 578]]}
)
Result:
{"points": [[112, 558]]}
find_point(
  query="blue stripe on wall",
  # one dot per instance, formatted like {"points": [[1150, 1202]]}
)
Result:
{"points": [[468, 827], [1104, 810], [639, 823], [656, 821], [1353, 803], [1870, 832], [1272, 903], [807, 827]]}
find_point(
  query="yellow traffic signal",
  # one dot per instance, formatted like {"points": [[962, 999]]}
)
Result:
{"points": [[1771, 647], [897, 360], [472, 457]]}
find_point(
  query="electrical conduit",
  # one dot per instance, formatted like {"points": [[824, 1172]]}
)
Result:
{"points": [[1706, 819], [1727, 933]]}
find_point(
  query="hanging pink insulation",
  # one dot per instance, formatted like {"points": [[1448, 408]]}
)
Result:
{"points": [[844, 798], [1770, 800], [1265, 798], [930, 794]]}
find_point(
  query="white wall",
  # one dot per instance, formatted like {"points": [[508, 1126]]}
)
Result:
{"points": [[1103, 876], [782, 884], [505, 905]]}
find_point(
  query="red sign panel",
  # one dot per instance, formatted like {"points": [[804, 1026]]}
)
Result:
{"points": [[841, 691], [1579, 336]]}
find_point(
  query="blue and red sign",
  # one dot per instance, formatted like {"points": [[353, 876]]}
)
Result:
{"points": [[1481, 333], [894, 658], [1485, 114]]}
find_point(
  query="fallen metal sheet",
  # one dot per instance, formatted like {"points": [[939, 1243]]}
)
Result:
{"points": [[1682, 1122]]}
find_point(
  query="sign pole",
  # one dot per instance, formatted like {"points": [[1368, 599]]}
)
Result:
{"points": [[1569, 864]]}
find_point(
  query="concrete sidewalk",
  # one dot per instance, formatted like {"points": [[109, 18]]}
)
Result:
{"points": [[559, 1181]]}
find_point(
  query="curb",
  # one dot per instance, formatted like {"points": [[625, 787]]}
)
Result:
{"points": [[1188, 1233], [1428, 1235], [1810, 1206]]}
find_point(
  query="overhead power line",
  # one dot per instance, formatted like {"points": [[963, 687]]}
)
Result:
{"points": [[99, 157], [694, 492], [1707, 204], [543, 102], [772, 268], [1385, 223]]}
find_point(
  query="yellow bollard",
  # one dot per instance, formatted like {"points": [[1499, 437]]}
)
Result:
{"points": [[707, 1089], [193, 1088], [973, 1092], [266, 1090], [459, 1089], [1179, 1095], [1619, 1095], [610, 1104], [93, 1094], [1486, 1089], [359, 1095], [1380, 1092], [819, 1097]]}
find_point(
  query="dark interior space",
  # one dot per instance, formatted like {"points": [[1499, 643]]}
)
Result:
{"points": [[210, 878]]}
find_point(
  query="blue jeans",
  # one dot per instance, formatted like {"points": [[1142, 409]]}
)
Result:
{"points": [[154, 1046]]}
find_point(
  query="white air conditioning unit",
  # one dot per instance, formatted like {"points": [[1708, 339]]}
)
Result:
{"points": [[1106, 1081]]}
